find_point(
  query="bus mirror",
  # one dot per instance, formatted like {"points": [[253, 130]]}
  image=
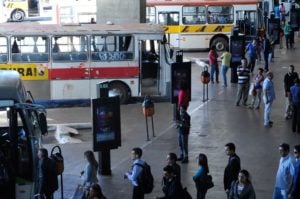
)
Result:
{"points": [[43, 123]]}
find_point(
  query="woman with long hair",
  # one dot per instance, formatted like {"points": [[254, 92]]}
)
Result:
{"points": [[89, 172], [200, 176], [242, 188]]}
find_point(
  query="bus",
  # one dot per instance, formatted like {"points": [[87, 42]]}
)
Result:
{"points": [[21, 128], [200, 24], [21, 9], [66, 62]]}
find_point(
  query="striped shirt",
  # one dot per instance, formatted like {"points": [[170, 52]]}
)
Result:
{"points": [[243, 75]]}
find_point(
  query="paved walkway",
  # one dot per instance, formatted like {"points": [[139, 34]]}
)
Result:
{"points": [[214, 123]]}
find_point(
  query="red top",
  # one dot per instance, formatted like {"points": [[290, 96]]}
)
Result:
{"points": [[183, 98], [213, 57]]}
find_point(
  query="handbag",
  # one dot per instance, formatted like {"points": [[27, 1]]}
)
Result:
{"points": [[209, 182]]}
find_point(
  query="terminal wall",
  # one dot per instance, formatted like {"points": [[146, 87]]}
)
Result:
{"points": [[120, 11]]}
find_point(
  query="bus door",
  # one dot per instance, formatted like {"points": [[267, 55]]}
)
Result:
{"points": [[70, 71], [171, 20], [247, 21]]}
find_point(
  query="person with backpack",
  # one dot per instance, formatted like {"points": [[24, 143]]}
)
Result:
{"points": [[140, 175], [172, 187], [47, 178]]}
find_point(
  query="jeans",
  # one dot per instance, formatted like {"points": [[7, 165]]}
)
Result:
{"points": [[224, 72], [279, 194], [267, 112], [201, 194], [213, 69], [137, 193], [251, 64], [243, 90], [183, 145], [266, 59]]}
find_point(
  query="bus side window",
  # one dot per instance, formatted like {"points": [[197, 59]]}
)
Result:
{"points": [[55, 48], [15, 47]]}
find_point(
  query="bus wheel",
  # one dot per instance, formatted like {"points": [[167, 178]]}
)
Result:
{"points": [[119, 89], [220, 43], [18, 15]]}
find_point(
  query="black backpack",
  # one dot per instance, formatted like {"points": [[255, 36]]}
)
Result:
{"points": [[145, 179]]}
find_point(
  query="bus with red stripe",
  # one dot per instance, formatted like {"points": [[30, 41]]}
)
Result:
{"points": [[200, 24], [66, 62]]}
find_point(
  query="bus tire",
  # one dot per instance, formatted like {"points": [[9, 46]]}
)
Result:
{"points": [[220, 43], [18, 15], [121, 90]]}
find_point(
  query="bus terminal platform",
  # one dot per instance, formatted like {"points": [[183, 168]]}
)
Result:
{"points": [[214, 123]]}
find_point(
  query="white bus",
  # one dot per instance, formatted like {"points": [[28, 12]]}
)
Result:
{"points": [[21, 128], [19, 10], [67, 62], [200, 24]]}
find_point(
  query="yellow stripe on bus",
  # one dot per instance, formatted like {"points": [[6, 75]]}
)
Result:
{"points": [[198, 28], [28, 71]]}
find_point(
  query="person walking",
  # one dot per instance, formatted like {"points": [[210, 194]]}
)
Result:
{"points": [[47, 178], [184, 125], [200, 176], [295, 194], [226, 59], [284, 174], [258, 80], [287, 33], [282, 13], [242, 188], [232, 169], [89, 173], [243, 73], [134, 173], [171, 160], [268, 97], [213, 63], [289, 80], [252, 52], [295, 96]]}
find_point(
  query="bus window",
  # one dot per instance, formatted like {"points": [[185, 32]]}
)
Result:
{"points": [[29, 49], [168, 18], [150, 15], [69, 48], [220, 14], [3, 50], [112, 47], [194, 15]]}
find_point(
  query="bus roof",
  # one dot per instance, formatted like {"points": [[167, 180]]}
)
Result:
{"points": [[48, 29], [199, 2], [11, 87]]}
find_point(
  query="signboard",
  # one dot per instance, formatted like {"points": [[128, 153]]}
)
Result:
{"points": [[181, 73], [106, 123], [28, 71], [237, 48]]}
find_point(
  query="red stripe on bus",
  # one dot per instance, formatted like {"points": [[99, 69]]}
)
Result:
{"points": [[93, 73]]}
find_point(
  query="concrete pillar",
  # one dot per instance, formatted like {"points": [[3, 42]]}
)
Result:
{"points": [[121, 11]]}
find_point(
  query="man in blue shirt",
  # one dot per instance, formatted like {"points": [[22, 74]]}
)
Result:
{"points": [[251, 48], [269, 97], [296, 184], [295, 98], [132, 175], [285, 173]]}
